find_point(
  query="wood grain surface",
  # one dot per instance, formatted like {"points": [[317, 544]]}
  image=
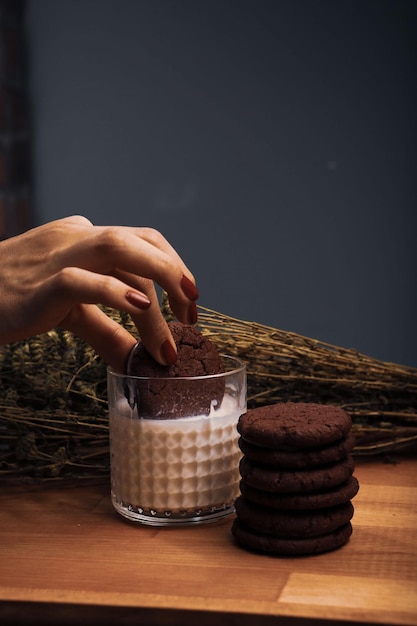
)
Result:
{"points": [[66, 558]]}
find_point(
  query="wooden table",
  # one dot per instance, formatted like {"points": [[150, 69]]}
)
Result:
{"points": [[67, 558]]}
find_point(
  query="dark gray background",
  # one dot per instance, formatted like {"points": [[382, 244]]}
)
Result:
{"points": [[272, 142]]}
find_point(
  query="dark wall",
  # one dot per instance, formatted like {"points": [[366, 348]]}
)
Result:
{"points": [[273, 142], [15, 131]]}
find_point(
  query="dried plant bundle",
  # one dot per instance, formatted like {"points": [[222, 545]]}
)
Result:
{"points": [[283, 366], [53, 402]]}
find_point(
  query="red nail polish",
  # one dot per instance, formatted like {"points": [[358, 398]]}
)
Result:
{"points": [[192, 313], [168, 353], [138, 300], [189, 288]]}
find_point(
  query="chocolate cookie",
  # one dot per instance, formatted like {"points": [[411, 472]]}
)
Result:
{"points": [[307, 501], [292, 426], [278, 546], [160, 391], [288, 481], [298, 459], [292, 524]]}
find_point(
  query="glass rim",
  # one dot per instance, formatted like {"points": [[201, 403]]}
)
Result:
{"points": [[239, 368]]}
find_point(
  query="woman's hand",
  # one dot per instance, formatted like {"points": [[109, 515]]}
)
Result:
{"points": [[56, 274]]}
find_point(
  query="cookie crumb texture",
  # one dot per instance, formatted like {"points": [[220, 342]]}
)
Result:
{"points": [[296, 479], [295, 425], [161, 395]]}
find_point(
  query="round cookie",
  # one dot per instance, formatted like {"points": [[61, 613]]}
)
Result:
{"points": [[278, 546], [292, 524], [286, 481], [301, 459], [156, 396], [292, 425], [302, 501]]}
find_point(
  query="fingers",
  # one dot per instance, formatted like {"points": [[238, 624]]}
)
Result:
{"points": [[71, 265], [73, 286], [140, 252], [154, 331], [110, 340], [135, 252], [186, 313]]}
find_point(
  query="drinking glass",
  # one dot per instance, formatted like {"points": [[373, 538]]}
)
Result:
{"points": [[174, 458]]}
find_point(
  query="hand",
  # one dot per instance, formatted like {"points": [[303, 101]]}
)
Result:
{"points": [[56, 274]]}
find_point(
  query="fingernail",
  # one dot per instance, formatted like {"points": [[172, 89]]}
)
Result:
{"points": [[138, 300], [168, 353], [189, 288], [192, 313]]}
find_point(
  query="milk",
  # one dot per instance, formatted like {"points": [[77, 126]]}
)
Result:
{"points": [[175, 468]]}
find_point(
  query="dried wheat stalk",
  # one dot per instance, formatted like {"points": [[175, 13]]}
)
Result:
{"points": [[282, 366], [53, 402]]}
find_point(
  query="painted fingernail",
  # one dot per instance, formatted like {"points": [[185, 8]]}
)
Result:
{"points": [[138, 300], [168, 353], [192, 313], [189, 288]]}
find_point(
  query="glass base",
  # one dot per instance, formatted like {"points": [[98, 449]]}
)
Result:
{"points": [[170, 518]]}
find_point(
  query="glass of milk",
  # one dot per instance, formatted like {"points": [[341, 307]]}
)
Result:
{"points": [[175, 470]]}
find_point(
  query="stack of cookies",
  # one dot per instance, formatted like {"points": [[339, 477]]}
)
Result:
{"points": [[297, 479]]}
